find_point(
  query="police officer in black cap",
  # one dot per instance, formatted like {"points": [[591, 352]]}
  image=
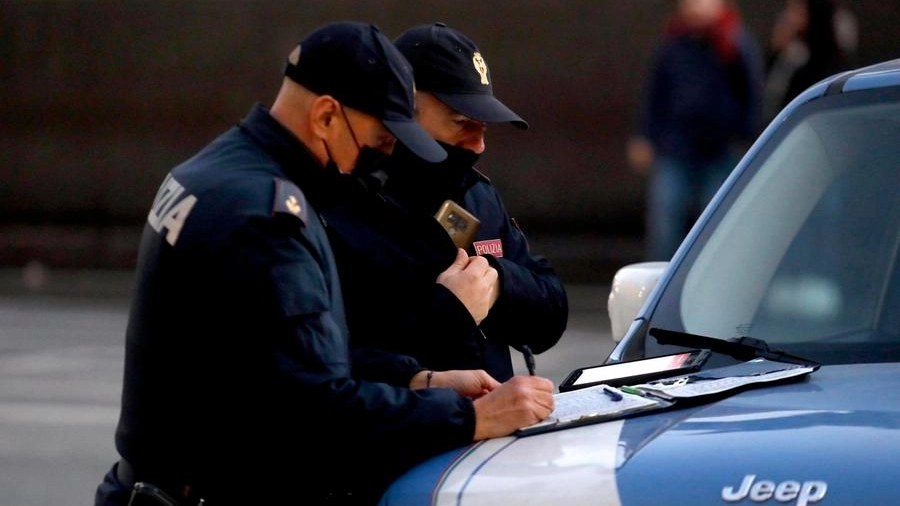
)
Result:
{"points": [[398, 265], [239, 386]]}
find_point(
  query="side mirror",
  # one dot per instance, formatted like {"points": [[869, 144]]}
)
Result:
{"points": [[631, 286]]}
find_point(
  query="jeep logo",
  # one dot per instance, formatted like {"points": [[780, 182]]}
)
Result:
{"points": [[805, 493]]}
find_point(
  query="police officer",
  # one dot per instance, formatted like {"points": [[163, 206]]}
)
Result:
{"points": [[394, 250], [238, 384]]}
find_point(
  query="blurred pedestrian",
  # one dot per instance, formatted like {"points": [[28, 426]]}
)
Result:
{"points": [[403, 279], [238, 385], [810, 40], [703, 105]]}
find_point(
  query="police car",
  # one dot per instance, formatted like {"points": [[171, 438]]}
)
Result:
{"points": [[799, 252]]}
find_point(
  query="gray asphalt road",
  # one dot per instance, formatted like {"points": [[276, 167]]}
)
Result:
{"points": [[61, 367]]}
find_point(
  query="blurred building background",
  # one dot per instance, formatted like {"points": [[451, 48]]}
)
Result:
{"points": [[99, 99]]}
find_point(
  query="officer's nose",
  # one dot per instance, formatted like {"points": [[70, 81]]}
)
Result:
{"points": [[474, 141]]}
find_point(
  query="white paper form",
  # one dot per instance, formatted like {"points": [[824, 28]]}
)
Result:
{"points": [[723, 379], [596, 403]]}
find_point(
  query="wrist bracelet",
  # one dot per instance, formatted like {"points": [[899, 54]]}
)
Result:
{"points": [[428, 379]]}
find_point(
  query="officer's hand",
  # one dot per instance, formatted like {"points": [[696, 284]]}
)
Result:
{"points": [[470, 383], [495, 290], [473, 281], [473, 383], [521, 401]]}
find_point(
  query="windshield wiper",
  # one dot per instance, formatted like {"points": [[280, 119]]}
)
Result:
{"points": [[743, 348]]}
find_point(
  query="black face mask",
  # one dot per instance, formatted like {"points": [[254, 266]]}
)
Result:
{"points": [[369, 171], [367, 177], [458, 158], [371, 168], [425, 185]]}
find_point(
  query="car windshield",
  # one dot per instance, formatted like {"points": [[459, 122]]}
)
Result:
{"points": [[804, 250]]}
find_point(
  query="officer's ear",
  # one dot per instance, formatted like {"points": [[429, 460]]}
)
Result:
{"points": [[323, 115]]}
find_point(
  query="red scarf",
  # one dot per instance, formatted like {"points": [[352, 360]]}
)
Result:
{"points": [[722, 34]]}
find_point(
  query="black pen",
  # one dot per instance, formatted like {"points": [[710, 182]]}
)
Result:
{"points": [[615, 396], [529, 359]]}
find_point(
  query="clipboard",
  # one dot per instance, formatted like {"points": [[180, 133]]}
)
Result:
{"points": [[594, 404], [600, 403]]}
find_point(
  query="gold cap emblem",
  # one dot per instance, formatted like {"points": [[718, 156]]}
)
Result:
{"points": [[481, 67]]}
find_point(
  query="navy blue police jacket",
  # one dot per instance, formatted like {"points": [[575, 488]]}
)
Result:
{"points": [[390, 250], [238, 378]]}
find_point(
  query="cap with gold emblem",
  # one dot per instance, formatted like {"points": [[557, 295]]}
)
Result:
{"points": [[450, 66], [357, 65]]}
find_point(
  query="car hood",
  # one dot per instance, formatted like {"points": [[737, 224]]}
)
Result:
{"points": [[832, 438]]}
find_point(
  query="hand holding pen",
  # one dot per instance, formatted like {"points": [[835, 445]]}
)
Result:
{"points": [[518, 402]]}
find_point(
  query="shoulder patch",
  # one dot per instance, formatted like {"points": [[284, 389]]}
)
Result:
{"points": [[289, 199]]}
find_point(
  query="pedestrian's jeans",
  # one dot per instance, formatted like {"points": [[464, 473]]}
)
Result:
{"points": [[678, 191]]}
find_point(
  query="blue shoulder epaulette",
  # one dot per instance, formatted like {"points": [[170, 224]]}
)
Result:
{"points": [[289, 199]]}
